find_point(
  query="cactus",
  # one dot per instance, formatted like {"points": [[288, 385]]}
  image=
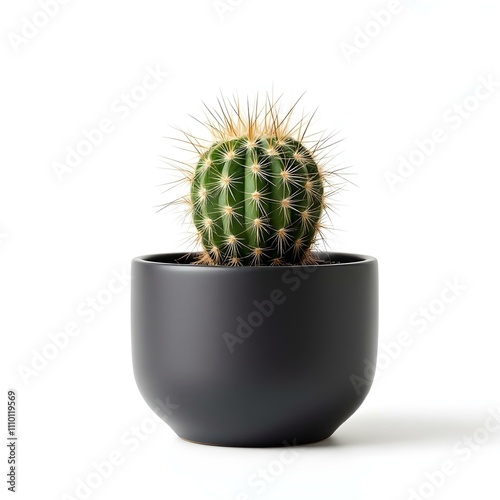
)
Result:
{"points": [[257, 193]]}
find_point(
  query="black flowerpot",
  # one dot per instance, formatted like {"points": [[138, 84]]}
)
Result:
{"points": [[254, 356]]}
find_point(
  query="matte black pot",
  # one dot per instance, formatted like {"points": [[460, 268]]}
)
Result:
{"points": [[254, 356]]}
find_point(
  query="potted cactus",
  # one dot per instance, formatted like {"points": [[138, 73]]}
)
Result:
{"points": [[257, 338]]}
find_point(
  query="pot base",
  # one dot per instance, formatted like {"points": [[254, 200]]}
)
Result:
{"points": [[236, 445]]}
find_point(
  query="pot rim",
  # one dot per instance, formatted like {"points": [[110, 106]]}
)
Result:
{"points": [[333, 258]]}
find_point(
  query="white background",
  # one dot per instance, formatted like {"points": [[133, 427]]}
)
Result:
{"points": [[62, 239]]}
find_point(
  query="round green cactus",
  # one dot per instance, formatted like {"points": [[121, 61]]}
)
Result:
{"points": [[257, 191], [257, 201]]}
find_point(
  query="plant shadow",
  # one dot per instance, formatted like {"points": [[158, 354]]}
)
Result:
{"points": [[374, 430]]}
